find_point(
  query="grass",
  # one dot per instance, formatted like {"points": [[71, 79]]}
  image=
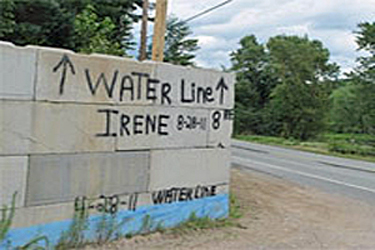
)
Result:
{"points": [[354, 146], [34, 244], [195, 223], [74, 237], [107, 228], [7, 215]]}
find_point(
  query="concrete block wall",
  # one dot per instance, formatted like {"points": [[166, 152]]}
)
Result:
{"points": [[110, 135]]}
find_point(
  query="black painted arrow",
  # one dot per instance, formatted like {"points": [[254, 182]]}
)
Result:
{"points": [[221, 86], [64, 62]]}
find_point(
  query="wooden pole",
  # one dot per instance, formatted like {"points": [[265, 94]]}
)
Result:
{"points": [[143, 42], [159, 31]]}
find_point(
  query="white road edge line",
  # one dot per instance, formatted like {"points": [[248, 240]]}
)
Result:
{"points": [[235, 158]]}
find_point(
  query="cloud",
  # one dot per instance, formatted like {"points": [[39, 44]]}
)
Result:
{"points": [[299, 30], [330, 21], [214, 43]]}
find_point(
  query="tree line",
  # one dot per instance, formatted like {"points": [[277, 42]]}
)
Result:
{"points": [[88, 26], [285, 87]]}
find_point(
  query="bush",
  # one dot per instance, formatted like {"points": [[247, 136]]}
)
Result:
{"points": [[354, 149]]}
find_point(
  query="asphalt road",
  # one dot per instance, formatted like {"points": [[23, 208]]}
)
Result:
{"points": [[352, 178]]}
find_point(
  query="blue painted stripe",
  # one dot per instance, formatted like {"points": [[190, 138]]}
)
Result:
{"points": [[129, 222]]}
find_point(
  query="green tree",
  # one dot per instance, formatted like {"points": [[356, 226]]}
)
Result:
{"points": [[299, 103], [179, 49], [298, 110], [39, 22], [7, 23], [366, 76], [353, 108], [344, 114], [94, 34], [254, 82], [366, 106], [359, 97], [366, 42], [52, 22], [119, 11], [281, 86]]}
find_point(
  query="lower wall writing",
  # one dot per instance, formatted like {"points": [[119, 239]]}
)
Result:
{"points": [[182, 194], [128, 221], [113, 203]]}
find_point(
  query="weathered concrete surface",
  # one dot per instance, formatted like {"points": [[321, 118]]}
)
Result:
{"points": [[68, 128], [35, 127], [128, 222], [38, 215], [17, 72], [15, 127], [189, 167], [60, 178], [84, 72], [64, 76], [221, 123], [108, 134], [13, 172], [189, 83], [44, 214], [41, 128], [173, 128]]}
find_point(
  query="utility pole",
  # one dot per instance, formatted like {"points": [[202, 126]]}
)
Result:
{"points": [[159, 31], [143, 42]]}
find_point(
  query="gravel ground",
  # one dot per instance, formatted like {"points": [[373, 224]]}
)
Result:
{"points": [[277, 214]]}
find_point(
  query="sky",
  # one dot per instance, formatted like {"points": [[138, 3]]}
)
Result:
{"points": [[331, 21]]}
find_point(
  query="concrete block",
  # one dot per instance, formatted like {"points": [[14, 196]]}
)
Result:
{"points": [[128, 222], [132, 204], [189, 168], [161, 127], [221, 124], [193, 87], [34, 127], [15, 124], [61, 178], [39, 215], [40, 128], [44, 214], [68, 128], [13, 172], [65, 76], [17, 72]]}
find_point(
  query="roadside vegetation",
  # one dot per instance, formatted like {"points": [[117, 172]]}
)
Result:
{"points": [[108, 229], [89, 26], [289, 93], [7, 214], [195, 223]]}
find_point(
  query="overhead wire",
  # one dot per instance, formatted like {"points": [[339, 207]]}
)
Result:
{"points": [[207, 11], [204, 12]]}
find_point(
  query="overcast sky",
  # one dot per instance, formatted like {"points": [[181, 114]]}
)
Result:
{"points": [[330, 21]]}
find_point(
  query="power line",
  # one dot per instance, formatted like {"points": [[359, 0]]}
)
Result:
{"points": [[207, 11], [203, 12]]}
